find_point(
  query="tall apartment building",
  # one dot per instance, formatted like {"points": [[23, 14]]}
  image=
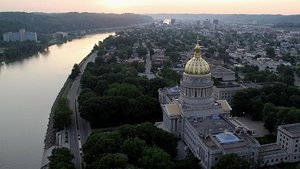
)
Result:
{"points": [[21, 36]]}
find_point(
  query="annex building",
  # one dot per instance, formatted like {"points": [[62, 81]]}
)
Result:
{"points": [[191, 112]]}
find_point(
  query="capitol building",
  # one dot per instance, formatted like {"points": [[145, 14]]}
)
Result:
{"points": [[204, 124]]}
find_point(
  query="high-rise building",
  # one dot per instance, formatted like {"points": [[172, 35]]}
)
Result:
{"points": [[173, 21], [22, 35]]}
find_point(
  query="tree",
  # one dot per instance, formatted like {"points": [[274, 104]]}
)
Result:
{"points": [[190, 162], [88, 80], [75, 72], [100, 143], [85, 94], [141, 51], [140, 67], [170, 75], [99, 60], [110, 161], [240, 103], [133, 148], [101, 86], [127, 90], [269, 116], [62, 114], [270, 52], [153, 85], [232, 161], [166, 141], [104, 111], [61, 158], [127, 131], [155, 158], [174, 56]]}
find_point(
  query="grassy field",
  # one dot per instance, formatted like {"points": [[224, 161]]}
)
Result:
{"points": [[266, 139]]}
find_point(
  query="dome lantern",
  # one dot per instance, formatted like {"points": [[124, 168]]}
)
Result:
{"points": [[197, 65], [197, 50]]}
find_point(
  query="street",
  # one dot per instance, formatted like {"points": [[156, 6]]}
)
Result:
{"points": [[80, 129], [148, 64]]}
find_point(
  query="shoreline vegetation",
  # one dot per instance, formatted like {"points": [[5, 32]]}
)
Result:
{"points": [[50, 139], [75, 24]]}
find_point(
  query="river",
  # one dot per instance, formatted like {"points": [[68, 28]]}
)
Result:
{"points": [[28, 89]]}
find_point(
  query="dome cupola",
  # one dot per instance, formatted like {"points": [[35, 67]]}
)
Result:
{"points": [[197, 65]]}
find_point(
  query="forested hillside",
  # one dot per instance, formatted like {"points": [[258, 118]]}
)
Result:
{"points": [[49, 23]]}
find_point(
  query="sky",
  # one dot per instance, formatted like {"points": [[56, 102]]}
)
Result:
{"points": [[285, 7]]}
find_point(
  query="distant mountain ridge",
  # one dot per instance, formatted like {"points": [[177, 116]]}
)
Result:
{"points": [[239, 18], [73, 21]]}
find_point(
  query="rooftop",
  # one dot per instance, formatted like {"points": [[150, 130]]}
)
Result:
{"points": [[270, 149], [172, 109], [224, 104], [209, 125], [227, 137], [292, 129], [220, 69]]}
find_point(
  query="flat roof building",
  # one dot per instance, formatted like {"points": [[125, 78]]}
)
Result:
{"points": [[21, 36]]}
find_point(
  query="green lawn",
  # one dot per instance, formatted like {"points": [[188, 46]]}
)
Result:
{"points": [[266, 139]]}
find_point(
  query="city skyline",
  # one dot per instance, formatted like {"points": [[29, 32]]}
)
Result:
{"points": [[285, 7]]}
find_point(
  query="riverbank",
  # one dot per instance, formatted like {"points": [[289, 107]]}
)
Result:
{"points": [[28, 90], [13, 56], [50, 139]]}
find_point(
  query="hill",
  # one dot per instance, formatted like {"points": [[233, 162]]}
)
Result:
{"points": [[73, 21]]}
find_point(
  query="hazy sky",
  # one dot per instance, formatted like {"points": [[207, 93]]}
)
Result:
{"points": [[155, 6]]}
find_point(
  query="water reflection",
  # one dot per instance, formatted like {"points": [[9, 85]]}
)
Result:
{"points": [[27, 90]]}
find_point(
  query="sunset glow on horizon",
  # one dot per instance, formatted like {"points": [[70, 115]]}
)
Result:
{"points": [[285, 7]]}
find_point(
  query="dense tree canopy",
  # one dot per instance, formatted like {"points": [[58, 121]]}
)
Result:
{"points": [[270, 51], [171, 76], [130, 146], [75, 72], [232, 161], [110, 161], [19, 50], [188, 163], [61, 158], [114, 94], [62, 114], [252, 73], [133, 147], [269, 104], [73, 21], [279, 95], [275, 116], [155, 158], [142, 51]]}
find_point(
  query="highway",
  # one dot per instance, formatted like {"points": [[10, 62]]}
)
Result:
{"points": [[80, 129]]}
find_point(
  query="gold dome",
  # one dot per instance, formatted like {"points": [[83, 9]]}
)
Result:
{"points": [[197, 65]]}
